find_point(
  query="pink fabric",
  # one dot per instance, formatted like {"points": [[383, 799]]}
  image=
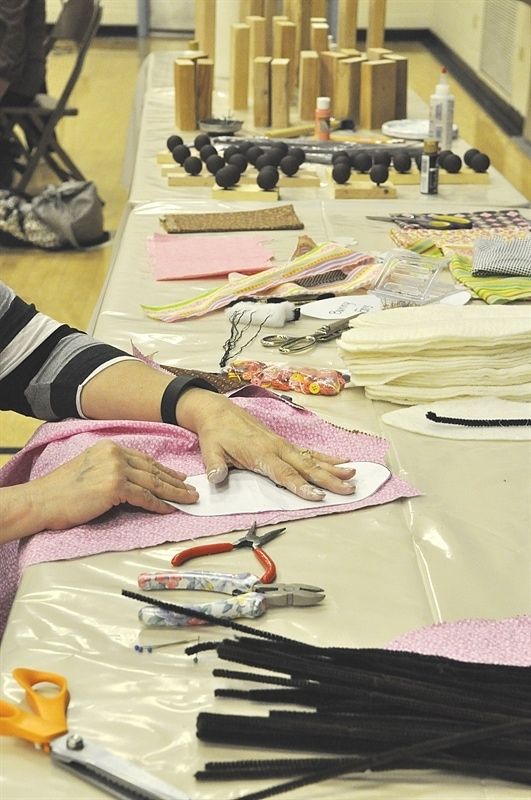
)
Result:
{"points": [[126, 528], [179, 257], [488, 641]]}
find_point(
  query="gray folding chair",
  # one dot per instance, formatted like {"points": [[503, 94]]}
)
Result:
{"points": [[33, 126]]}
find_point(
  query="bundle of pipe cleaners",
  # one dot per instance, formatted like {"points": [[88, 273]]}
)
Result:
{"points": [[374, 709]]}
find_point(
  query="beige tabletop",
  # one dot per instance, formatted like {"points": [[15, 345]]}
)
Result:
{"points": [[459, 550]]}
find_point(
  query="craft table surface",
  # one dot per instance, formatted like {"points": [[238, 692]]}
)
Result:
{"points": [[460, 550]]}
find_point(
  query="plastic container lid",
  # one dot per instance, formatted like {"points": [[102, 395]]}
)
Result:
{"points": [[323, 103]]}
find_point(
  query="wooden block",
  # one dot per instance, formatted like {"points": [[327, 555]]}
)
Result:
{"points": [[205, 26], [308, 83], [347, 26], [269, 11], [300, 15], [376, 25], [165, 157], [257, 45], [401, 84], [361, 190], [466, 175], [411, 178], [262, 91], [319, 36], [328, 75], [351, 52], [244, 192], [303, 178], [284, 47], [177, 178], [377, 53], [204, 86], [185, 94], [318, 8], [249, 8], [378, 92], [347, 93], [239, 70], [279, 92], [168, 169]]}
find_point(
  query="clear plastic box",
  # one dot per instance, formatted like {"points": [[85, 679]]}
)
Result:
{"points": [[410, 279]]}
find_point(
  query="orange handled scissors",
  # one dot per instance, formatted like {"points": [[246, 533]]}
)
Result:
{"points": [[45, 725], [251, 539]]}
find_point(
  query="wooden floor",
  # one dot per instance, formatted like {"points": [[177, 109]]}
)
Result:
{"points": [[66, 285]]}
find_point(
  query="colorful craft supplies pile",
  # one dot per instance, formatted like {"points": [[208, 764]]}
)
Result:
{"points": [[359, 268], [435, 352], [492, 289]]}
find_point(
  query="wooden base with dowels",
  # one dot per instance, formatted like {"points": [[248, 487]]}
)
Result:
{"points": [[362, 190], [250, 192]]}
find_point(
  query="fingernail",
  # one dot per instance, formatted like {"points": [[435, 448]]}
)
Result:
{"points": [[312, 493], [217, 475], [190, 488], [349, 484]]}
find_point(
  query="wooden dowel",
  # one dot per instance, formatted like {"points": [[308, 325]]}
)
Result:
{"points": [[376, 26], [308, 83], [205, 26], [279, 92], [262, 91], [347, 25], [239, 71]]}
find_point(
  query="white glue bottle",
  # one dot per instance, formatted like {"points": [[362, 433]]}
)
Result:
{"points": [[442, 113]]}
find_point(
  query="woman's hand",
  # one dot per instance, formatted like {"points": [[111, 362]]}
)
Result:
{"points": [[229, 436], [105, 475]]}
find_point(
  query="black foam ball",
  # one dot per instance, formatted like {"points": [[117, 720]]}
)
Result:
{"points": [[469, 155], [382, 157], [229, 151], [262, 161], [275, 155], [282, 146], [341, 171], [362, 162], [452, 163], [442, 155], [206, 151], [180, 153], [341, 156], [193, 165], [379, 173], [173, 141], [289, 165], [201, 140], [213, 163], [402, 162], [227, 176], [298, 153], [267, 178], [253, 153], [239, 161], [244, 146], [480, 162]]}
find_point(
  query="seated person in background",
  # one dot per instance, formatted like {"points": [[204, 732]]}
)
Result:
{"points": [[22, 66], [51, 372]]}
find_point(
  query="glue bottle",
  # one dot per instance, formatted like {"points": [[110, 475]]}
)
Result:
{"points": [[322, 118], [442, 113], [429, 167]]}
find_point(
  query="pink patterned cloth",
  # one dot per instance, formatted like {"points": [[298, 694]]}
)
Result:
{"points": [[127, 528], [487, 641]]}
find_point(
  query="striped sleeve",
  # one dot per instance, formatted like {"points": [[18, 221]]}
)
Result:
{"points": [[43, 362]]}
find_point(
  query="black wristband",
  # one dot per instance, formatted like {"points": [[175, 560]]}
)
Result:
{"points": [[174, 390]]}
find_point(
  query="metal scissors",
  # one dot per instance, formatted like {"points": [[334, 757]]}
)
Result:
{"points": [[46, 726], [434, 221], [300, 344], [251, 539], [249, 597]]}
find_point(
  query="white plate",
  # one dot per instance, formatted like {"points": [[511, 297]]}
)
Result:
{"points": [[410, 128]]}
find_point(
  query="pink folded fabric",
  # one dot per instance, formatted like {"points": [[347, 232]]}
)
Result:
{"points": [[126, 528], [488, 641], [181, 257]]}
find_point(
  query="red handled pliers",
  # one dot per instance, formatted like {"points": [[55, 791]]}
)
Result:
{"points": [[251, 539]]}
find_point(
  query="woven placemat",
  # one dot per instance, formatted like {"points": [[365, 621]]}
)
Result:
{"points": [[264, 219]]}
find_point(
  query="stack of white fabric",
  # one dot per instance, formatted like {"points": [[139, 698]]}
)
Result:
{"points": [[435, 352]]}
